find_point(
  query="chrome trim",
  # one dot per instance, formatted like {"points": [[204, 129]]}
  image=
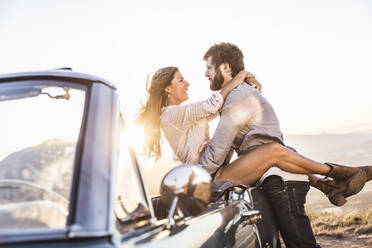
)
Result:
{"points": [[143, 187], [191, 184]]}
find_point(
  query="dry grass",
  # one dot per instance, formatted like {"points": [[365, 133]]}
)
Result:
{"points": [[339, 223]]}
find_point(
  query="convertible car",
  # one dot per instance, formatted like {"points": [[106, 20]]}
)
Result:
{"points": [[68, 177]]}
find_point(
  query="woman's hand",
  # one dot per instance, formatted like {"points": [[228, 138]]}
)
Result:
{"points": [[248, 75], [236, 81], [242, 76], [251, 80], [254, 83]]}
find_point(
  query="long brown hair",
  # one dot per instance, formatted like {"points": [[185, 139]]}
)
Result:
{"points": [[149, 113]]}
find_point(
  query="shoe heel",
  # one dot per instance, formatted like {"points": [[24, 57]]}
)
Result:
{"points": [[337, 199], [348, 188]]}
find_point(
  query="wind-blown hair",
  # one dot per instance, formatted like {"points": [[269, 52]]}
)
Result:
{"points": [[149, 113]]}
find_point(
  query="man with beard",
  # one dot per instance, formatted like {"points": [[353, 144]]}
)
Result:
{"points": [[248, 121]]}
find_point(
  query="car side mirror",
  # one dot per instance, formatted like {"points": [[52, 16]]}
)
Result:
{"points": [[187, 187]]}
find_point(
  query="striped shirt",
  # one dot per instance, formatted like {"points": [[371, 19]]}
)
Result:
{"points": [[186, 127]]}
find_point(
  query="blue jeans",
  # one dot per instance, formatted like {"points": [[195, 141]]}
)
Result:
{"points": [[287, 200]]}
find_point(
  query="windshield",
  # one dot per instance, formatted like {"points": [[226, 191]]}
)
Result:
{"points": [[39, 128]]}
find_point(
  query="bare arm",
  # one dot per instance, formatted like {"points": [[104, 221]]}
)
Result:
{"points": [[183, 116], [253, 82], [233, 83], [242, 76], [234, 116]]}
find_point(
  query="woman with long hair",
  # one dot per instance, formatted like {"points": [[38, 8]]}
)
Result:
{"points": [[186, 129]]}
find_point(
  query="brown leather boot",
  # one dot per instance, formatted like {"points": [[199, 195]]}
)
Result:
{"points": [[324, 184], [338, 191], [327, 186], [368, 170], [342, 173], [354, 184]]}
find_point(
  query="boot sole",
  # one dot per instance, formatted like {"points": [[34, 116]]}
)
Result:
{"points": [[356, 183], [337, 199], [353, 186]]}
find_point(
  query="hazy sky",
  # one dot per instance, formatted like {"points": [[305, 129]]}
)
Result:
{"points": [[312, 57]]}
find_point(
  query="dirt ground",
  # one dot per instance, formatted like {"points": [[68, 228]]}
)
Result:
{"points": [[348, 241]]}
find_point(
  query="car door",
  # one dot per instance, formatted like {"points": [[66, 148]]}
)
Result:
{"points": [[220, 225]]}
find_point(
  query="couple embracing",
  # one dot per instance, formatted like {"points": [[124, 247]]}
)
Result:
{"points": [[248, 125]]}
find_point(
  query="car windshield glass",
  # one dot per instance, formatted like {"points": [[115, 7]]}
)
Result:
{"points": [[39, 129], [130, 197]]}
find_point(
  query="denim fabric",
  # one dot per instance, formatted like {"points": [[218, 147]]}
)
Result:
{"points": [[287, 200]]}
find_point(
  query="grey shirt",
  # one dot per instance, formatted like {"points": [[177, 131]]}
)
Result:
{"points": [[247, 120]]}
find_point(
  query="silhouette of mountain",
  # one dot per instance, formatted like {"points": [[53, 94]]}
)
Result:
{"points": [[48, 165], [352, 149], [360, 128]]}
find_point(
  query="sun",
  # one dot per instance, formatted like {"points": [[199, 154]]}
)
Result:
{"points": [[133, 136]]}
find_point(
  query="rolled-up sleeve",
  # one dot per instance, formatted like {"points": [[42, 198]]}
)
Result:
{"points": [[185, 115]]}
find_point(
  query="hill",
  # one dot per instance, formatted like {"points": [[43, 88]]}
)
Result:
{"points": [[48, 165]]}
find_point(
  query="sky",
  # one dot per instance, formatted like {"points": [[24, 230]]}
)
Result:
{"points": [[313, 58], [28, 122]]}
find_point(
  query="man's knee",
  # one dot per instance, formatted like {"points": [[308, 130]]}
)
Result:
{"points": [[276, 150]]}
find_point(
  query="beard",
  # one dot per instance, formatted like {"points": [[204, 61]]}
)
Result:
{"points": [[217, 81]]}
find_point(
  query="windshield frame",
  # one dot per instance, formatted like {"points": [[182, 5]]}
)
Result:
{"points": [[32, 234]]}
